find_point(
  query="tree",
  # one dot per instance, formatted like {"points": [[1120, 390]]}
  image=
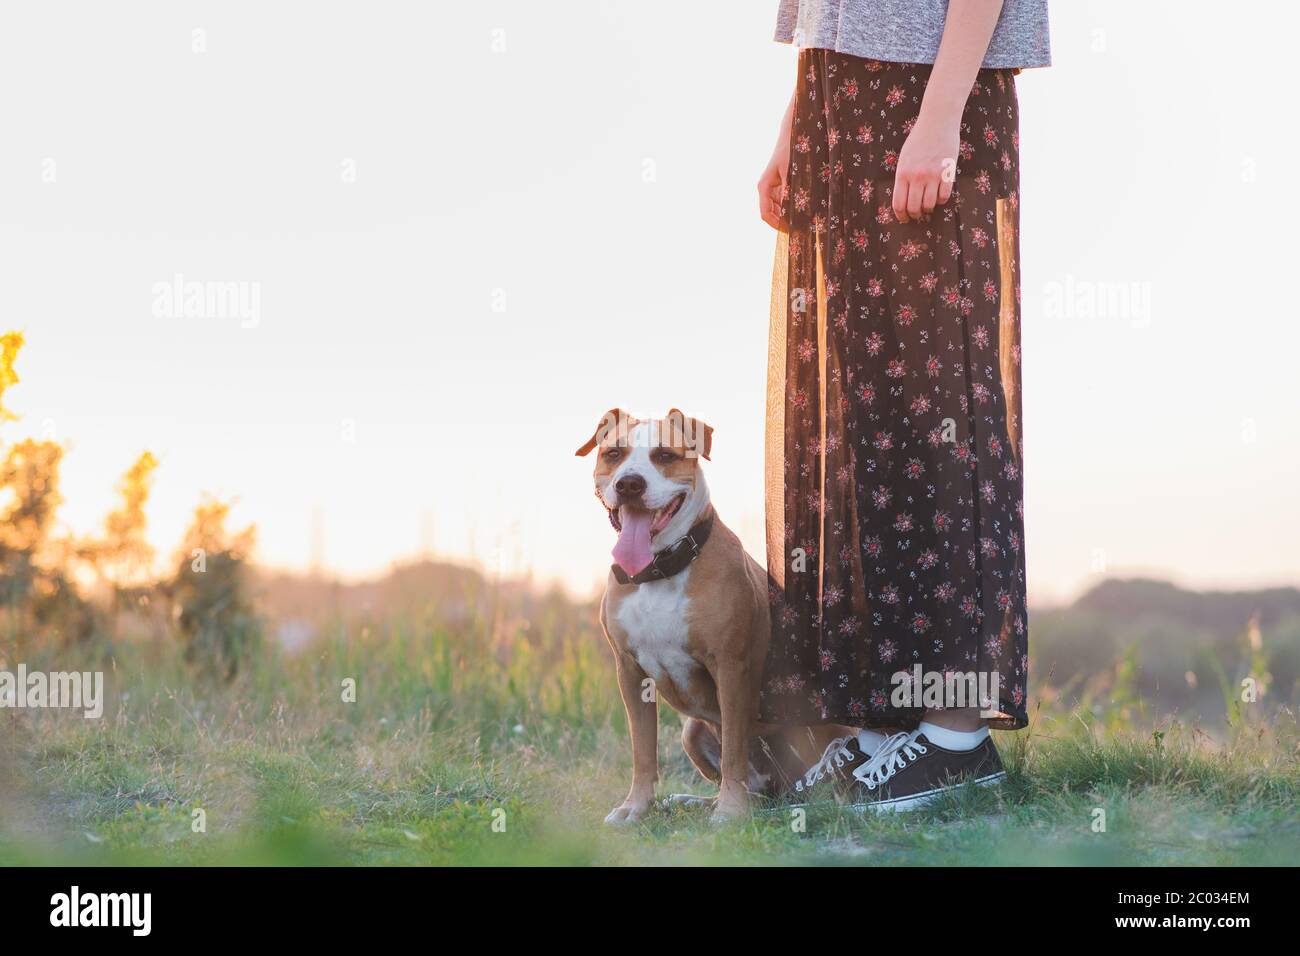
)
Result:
{"points": [[37, 596], [10, 343]]}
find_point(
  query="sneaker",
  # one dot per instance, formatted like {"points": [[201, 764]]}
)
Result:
{"points": [[910, 771], [832, 772]]}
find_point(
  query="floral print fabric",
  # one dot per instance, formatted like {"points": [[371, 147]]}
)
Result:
{"points": [[895, 510]]}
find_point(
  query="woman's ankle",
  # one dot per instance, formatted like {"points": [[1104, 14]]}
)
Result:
{"points": [[962, 719]]}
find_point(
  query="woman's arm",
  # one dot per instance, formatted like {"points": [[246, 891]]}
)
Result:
{"points": [[927, 163], [772, 182]]}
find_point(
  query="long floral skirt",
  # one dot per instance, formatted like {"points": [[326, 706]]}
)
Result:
{"points": [[895, 539]]}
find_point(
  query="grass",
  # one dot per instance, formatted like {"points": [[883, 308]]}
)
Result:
{"points": [[465, 747]]}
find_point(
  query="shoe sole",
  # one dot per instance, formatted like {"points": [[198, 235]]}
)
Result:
{"points": [[916, 801]]}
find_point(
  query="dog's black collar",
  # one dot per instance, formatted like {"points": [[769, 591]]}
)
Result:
{"points": [[672, 560]]}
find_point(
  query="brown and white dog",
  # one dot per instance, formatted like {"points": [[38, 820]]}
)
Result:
{"points": [[696, 631]]}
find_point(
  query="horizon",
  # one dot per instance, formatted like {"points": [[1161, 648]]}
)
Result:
{"points": [[541, 587]]}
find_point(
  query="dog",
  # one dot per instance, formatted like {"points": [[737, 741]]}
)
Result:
{"points": [[686, 614]]}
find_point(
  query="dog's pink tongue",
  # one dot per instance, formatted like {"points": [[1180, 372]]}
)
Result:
{"points": [[632, 552]]}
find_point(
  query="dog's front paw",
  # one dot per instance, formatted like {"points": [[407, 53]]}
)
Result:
{"points": [[727, 814], [629, 811], [733, 804]]}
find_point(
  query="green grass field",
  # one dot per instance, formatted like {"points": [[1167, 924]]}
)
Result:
{"points": [[464, 750]]}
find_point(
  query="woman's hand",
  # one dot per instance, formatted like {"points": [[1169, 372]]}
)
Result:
{"points": [[927, 163], [927, 166], [771, 185]]}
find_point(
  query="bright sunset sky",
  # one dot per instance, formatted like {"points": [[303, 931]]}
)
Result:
{"points": [[475, 227]]}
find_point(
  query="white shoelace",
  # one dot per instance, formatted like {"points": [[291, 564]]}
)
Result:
{"points": [[836, 754], [894, 754]]}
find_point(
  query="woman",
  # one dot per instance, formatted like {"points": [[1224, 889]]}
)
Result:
{"points": [[895, 515]]}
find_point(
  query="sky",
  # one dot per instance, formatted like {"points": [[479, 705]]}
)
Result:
{"points": [[460, 232]]}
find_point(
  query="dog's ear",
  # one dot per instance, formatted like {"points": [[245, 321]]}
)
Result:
{"points": [[695, 434], [608, 422]]}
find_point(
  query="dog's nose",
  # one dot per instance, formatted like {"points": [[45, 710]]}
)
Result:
{"points": [[630, 486]]}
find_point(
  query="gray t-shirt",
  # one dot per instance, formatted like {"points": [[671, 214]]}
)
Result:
{"points": [[909, 31]]}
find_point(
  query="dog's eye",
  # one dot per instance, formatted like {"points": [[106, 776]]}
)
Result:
{"points": [[663, 456], [613, 454]]}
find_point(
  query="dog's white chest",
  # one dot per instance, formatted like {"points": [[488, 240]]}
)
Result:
{"points": [[654, 619]]}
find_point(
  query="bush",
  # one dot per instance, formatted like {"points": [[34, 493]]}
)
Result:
{"points": [[211, 594]]}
